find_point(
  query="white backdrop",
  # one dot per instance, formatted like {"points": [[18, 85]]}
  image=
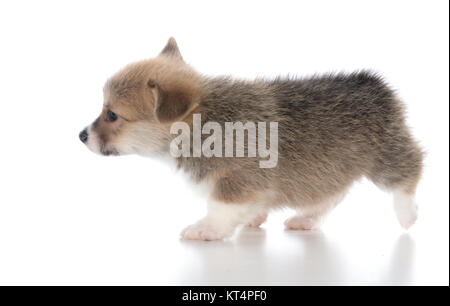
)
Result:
{"points": [[68, 216]]}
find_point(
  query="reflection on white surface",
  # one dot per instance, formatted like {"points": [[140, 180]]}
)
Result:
{"points": [[291, 258]]}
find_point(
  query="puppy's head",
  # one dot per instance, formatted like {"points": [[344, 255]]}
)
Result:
{"points": [[140, 103]]}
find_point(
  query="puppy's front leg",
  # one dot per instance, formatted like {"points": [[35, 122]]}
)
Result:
{"points": [[220, 221]]}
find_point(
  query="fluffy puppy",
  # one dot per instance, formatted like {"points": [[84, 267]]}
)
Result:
{"points": [[332, 130]]}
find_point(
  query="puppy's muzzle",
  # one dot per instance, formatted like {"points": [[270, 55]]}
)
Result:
{"points": [[83, 136]]}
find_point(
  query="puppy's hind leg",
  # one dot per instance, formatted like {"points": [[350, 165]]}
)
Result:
{"points": [[398, 169], [258, 220], [303, 222], [312, 217]]}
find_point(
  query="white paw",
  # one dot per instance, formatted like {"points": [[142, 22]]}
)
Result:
{"points": [[406, 209], [301, 223], [258, 220], [407, 217], [205, 231]]}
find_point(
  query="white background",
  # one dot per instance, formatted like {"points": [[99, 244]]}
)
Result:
{"points": [[68, 216]]}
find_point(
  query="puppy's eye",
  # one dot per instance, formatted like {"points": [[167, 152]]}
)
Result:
{"points": [[111, 116]]}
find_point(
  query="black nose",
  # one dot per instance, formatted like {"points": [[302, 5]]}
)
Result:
{"points": [[83, 136]]}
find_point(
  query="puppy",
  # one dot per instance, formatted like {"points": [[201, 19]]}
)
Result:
{"points": [[331, 131]]}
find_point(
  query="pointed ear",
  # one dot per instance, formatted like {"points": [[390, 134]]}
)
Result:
{"points": [[170, 104], [171, 49]]}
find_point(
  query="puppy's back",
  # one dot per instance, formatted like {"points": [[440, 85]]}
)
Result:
{"points": [[336, 128]]}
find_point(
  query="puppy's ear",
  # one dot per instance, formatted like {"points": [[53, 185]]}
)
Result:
{"points": [[170, 104], [171, 50]]}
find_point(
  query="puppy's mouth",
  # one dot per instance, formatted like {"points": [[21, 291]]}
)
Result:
{"points": [[108, 152]]}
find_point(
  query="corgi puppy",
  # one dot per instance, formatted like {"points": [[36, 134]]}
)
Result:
{"points": [[325, 132]]}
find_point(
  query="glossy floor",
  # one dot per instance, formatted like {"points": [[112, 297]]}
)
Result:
{"points": [[136, 244]]}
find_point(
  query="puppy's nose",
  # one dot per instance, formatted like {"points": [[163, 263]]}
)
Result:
{"points": [[83, 136]]}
